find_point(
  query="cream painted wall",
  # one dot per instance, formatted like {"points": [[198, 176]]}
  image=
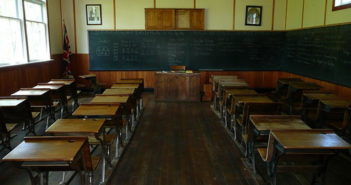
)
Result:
{"points": [[82, 27], [218, 14], [130, 14], [68, 18], [174, 3], [314, 12], [55, 26], [240, 11], [279, 15], [294, 14], [339, 16]]}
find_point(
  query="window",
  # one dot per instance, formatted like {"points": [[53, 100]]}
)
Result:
{"points": [[341, 4], [23, 31]]}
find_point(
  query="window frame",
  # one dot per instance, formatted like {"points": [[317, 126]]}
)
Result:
{"points": [[21, 17], [341, 7]]}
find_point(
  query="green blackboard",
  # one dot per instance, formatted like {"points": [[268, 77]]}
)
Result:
{"points": [[321, 53], [198, 50]]}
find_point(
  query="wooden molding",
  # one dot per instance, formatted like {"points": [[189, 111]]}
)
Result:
{"points": [[234, 4], [273, 13], [114, 15], [325, 12], [303, 13], [286, 13], [75, 26]]}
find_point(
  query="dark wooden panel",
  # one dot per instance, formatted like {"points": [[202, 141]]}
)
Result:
{"points": [[15, 77], [177, 87]]}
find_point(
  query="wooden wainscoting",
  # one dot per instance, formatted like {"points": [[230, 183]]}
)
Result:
{"points": [[13, 78], [255, 79]]}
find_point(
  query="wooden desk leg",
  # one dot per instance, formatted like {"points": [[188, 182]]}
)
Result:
{"points": [[320, 175], [117, 147], [44, 178]]}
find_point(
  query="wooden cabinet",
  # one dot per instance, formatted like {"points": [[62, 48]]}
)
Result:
{"points": [[171, 86], [174, 19], [156, 19]]}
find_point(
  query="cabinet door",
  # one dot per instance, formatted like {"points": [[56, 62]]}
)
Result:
{"points": [[159, 19], [197, 19]]}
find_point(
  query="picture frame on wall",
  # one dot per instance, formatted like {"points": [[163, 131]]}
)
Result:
{"points": [[253, 15], [94, 14]]}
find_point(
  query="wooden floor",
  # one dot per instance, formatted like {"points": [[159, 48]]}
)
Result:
{"points": [[180, 144]]}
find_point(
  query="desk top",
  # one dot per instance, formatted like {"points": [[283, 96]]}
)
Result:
{"points": [[88, 76], [131, 85], [46, 149], [310, 139], [109, 99], [51, 87], [96, 110], [272, 122], [58, 81], [336, 103], [240, 92], [319, 95], [32, 92], [123, 91], [286, 81], [11, 102], [252, 99], [304, 86], [76, 126]]}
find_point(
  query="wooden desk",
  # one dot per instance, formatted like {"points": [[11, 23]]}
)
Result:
{"points": [[14, 111], [238, 101], [331, 113], [177, 86], [51, 153], [62, 81], [123, 91], [109, 99], [81, 126], [337, 103], [315, 145], [10, 102], [252, 99], [131, 85], [287, 81], [309, 139], [70, 87], [228, 93], [31, 93], [226, 104], [215, 78], [261, 125], [96, 110]]}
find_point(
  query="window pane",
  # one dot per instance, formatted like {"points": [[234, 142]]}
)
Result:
{"points": [[8, 8], [342, 2], [37, 44], [11, 45], [34, 11]]}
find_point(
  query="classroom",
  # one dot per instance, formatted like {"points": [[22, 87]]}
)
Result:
{"points": [[176, 92]]}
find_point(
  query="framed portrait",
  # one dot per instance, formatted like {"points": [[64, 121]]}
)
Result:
{"points": [[93, 13], [253, 16]]}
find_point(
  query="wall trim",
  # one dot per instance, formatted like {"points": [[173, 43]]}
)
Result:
{"points": [[75, 27], [303, 13], [234, 6], [286, 13], [273, 13]]}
